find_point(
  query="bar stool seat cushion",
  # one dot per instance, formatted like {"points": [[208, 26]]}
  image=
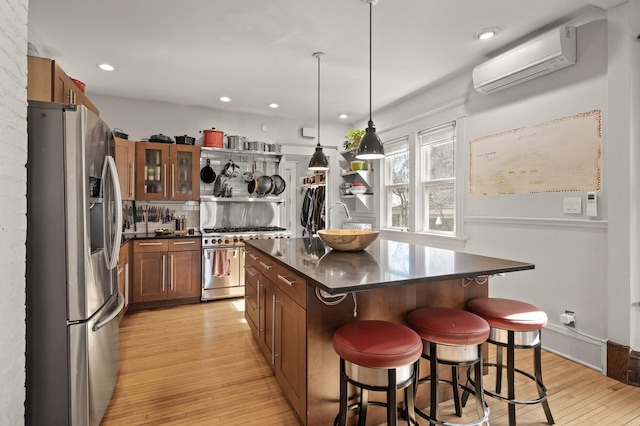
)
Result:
{"points": [[448, 326], [377, 344], [508, 314]]}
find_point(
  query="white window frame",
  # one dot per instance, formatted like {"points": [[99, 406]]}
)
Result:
{"points": [[394, 147], [426, 183], [409, 131]]}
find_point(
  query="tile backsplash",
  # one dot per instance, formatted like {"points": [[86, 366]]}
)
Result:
{"points": [[152, 216]]}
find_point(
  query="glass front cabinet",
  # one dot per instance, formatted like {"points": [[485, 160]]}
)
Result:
{"points": [[167, 172]]}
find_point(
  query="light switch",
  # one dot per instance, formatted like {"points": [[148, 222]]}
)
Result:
{"points": [[572, 205]]}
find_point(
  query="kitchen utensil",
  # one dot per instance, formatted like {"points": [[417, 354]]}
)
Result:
{"points": [[358, 188], [213, 138], [279, 184], [207, 174], [252, 186], [218, 187], [160, 138], [185, 140], [120, 134], [235, 142], [231, 169], [345, 188], [358, 165], [265, 186], [247, 176]]}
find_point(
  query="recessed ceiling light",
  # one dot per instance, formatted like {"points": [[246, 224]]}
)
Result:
{"points": [[487, 33], [273, 105], [106, 67], [343, 115], [225, 99]]}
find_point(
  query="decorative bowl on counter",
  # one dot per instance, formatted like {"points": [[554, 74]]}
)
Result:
{"points": [[348, 239]]}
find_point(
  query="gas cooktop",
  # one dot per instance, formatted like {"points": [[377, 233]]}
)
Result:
{"points": [[239, 230]]}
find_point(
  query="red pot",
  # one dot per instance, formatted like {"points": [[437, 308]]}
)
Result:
{"points": [[213, 138]]}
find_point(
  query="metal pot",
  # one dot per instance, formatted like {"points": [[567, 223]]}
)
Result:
{"points": [[185, 140], [235, 142], [160, 138], [213, 138]]}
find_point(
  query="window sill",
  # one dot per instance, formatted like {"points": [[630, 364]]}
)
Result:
{"points": [[435, 240]]}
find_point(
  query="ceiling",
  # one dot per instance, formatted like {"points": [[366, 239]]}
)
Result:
{"points": [[256, 51]]}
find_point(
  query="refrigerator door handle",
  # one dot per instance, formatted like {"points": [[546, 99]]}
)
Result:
{"points": [[111, 315], [110, 168]]}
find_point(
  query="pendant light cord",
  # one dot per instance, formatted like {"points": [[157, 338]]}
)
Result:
{"points": [[370, 54], [319, 56]]}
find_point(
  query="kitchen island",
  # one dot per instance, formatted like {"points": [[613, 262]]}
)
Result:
{"points": [[299, 291]]}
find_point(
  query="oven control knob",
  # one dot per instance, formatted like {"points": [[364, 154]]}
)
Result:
{"points": [[219, 240], [242, 240], [226, 241], [235, 240]]}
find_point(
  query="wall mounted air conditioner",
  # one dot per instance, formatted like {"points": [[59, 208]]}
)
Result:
{"points": [[546, 53]]}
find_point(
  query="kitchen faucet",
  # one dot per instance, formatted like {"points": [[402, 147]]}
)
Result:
{"points": [[346, 210]]}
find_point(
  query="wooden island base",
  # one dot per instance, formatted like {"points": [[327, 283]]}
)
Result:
{"points": [[294, 328], [390, 304]]}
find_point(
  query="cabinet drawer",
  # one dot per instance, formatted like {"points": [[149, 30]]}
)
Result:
{"points": [[264, 264], [150, 246], [293, 285], [184, 244], [251, 298], [252, 256]]}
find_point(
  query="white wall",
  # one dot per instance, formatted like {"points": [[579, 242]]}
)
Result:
{"points": [[13, 207], [580, 264]]}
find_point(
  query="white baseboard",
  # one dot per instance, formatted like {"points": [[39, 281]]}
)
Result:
{"points": [[575, 347]]}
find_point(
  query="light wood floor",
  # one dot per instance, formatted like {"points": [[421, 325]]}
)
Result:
{"points": [[199, 365]]}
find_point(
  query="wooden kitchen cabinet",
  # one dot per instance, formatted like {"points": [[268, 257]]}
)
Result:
{"points": [[279, 309], [167, 172], [47, 81], [166, 269], [124, 276], [125, 156], [291, 351]]}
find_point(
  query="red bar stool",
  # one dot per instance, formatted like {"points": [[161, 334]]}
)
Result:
{"points": [[451, 337], [514, 325], [378, 356]]}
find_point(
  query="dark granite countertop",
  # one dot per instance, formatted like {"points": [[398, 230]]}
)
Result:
{"points": [[153, 236], [386, 263]]}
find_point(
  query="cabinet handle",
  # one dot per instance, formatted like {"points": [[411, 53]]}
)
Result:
{"points": [[131, 180], [252, 256], [246, 299], [251, 273], [286, 281], [149, 244], [164, 178], [265, 266], [180, 243], [273, 332], [172, 275], [163, 271], [126, 284], [120, 269], [260, 330], [173, 181]]}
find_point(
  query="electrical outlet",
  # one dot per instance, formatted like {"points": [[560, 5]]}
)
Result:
{"points": [[568, 318]]}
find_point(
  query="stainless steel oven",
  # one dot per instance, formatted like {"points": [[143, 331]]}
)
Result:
{"points": [[223, 258]]}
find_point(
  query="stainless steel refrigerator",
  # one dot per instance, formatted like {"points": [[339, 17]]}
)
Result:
{"points": [[74, 225]]}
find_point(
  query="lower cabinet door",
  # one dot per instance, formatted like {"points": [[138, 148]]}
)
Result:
{"points": [[291, 351], [150, 281], [267, 319], [184, 274]]}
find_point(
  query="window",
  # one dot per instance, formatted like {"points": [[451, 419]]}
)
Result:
{"points": [[397, 184], [438, 178]]}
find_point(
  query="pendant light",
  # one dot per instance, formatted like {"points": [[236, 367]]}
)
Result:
{"points": [[370, 147], [318, 159]]}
